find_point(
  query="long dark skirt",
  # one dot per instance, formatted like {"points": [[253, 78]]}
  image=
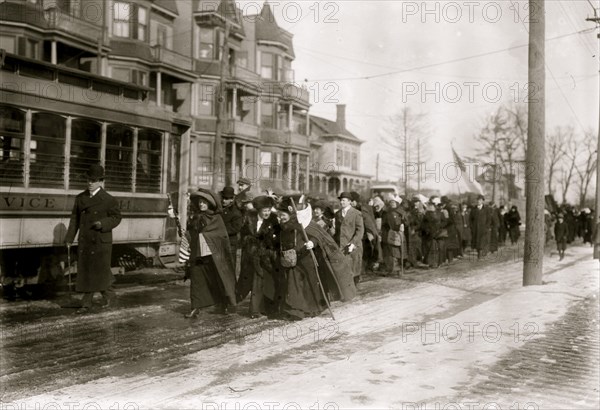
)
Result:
{"points": [[206, 287], [303, 296]]}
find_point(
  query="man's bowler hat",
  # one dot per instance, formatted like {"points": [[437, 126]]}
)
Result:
{"points": [[347, 195], [95, 172], [228, 193]]}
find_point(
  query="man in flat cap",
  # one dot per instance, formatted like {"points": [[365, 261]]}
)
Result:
{"points": [[349, 231], [95, 214], [244, 192]]}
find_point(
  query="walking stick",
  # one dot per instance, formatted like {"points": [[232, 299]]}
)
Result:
{"points": [[402, 250], [69, 263], [314, 258]]}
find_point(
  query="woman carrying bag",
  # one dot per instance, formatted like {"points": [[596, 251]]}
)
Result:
{"points": [[392, 232]]}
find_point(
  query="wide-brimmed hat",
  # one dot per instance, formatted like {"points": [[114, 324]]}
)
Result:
{"points": [[345, 194], [263, 201], [244, 181], [355, 196], [96, 171], [286, 202], [228, 193], [205, 194]]}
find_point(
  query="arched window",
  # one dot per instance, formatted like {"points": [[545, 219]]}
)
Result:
{"points": [[85, 150], [12, 136], [149, 160], [47, 151], [119, 158]]}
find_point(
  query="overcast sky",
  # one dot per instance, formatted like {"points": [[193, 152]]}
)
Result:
{"points": [[338, 43]]}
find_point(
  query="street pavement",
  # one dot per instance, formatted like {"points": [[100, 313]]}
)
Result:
{"points": [[465, 336]]}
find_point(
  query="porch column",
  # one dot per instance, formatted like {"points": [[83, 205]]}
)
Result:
{"points": [[233, 162], [307, 173], [243, 168], [103, 144], [290, 116], [27, 147], [289, 171], [234, 104], [297, 179], [307, 123], [53, 52], [159, 88], [68, 129]]}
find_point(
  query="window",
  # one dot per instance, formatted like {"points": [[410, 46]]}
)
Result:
{"points": [[47, 151], [266, 113], [269, 165], [286, 72], [72, 7], [347, 158], [139, 77], [266, 62], [121, 74], [147, 176], [241, 59], [85, 150], [130, 21], [161, 36], [206, 45], [119, 158], [204, 167], [206, 100], [7, 43], [339, 157], [12, 135], [355, 161]]}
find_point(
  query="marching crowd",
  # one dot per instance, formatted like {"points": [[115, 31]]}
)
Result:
{"points": [[297, 254]]}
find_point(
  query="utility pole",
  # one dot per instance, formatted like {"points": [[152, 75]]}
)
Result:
{"points": [[533, 259], [221, 111], [596, 20], [419, 165]]}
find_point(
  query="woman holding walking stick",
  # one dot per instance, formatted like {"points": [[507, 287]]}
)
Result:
{"points": [[316, 271]]}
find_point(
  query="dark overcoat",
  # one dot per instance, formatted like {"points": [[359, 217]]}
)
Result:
{"points": [[94, 246], [481, 220]]}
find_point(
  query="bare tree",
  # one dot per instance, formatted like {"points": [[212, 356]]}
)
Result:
{"points": [[518, 117], [500, 140], [406, 140], [587, 168], [571, 151], [554, 154]]}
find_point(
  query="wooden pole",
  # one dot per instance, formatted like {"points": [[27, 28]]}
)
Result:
{"points": [[219, 165], [534, 166]]}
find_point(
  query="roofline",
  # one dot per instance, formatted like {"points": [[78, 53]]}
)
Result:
{"points": [[164, 11]]}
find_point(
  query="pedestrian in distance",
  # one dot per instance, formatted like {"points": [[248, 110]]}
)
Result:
{"points": [[481, 221], [513, 221], [561, 233], [211, 273], [95, 214], [393, 222]]}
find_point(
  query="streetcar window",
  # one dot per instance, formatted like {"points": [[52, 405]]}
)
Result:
{"points": [[148, 166], [119, 158], [47, 150], [85, 150], [12, 136]]}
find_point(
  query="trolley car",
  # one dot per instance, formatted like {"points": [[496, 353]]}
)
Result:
{"points": [[50, 140]]}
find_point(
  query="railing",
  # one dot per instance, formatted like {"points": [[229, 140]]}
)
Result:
{"points": [[244, 74], [299, 139], [60, 20], [274, 136], [171, 58], [241, 128]]}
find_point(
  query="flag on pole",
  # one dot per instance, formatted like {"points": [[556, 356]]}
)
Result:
{"points": [[184, 249], [469, 181]]}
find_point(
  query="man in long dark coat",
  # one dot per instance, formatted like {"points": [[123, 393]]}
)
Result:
{"points": [[480, 219], [95, 214], [233, 219], [372, 250]]}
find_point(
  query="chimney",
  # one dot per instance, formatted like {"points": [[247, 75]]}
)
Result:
{"points": [[341, 116]]}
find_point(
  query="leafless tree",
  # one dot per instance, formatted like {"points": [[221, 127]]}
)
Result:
{"points": [[571, 152], [518, 117], [405, 139], [555, 142], [587, 167]]}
